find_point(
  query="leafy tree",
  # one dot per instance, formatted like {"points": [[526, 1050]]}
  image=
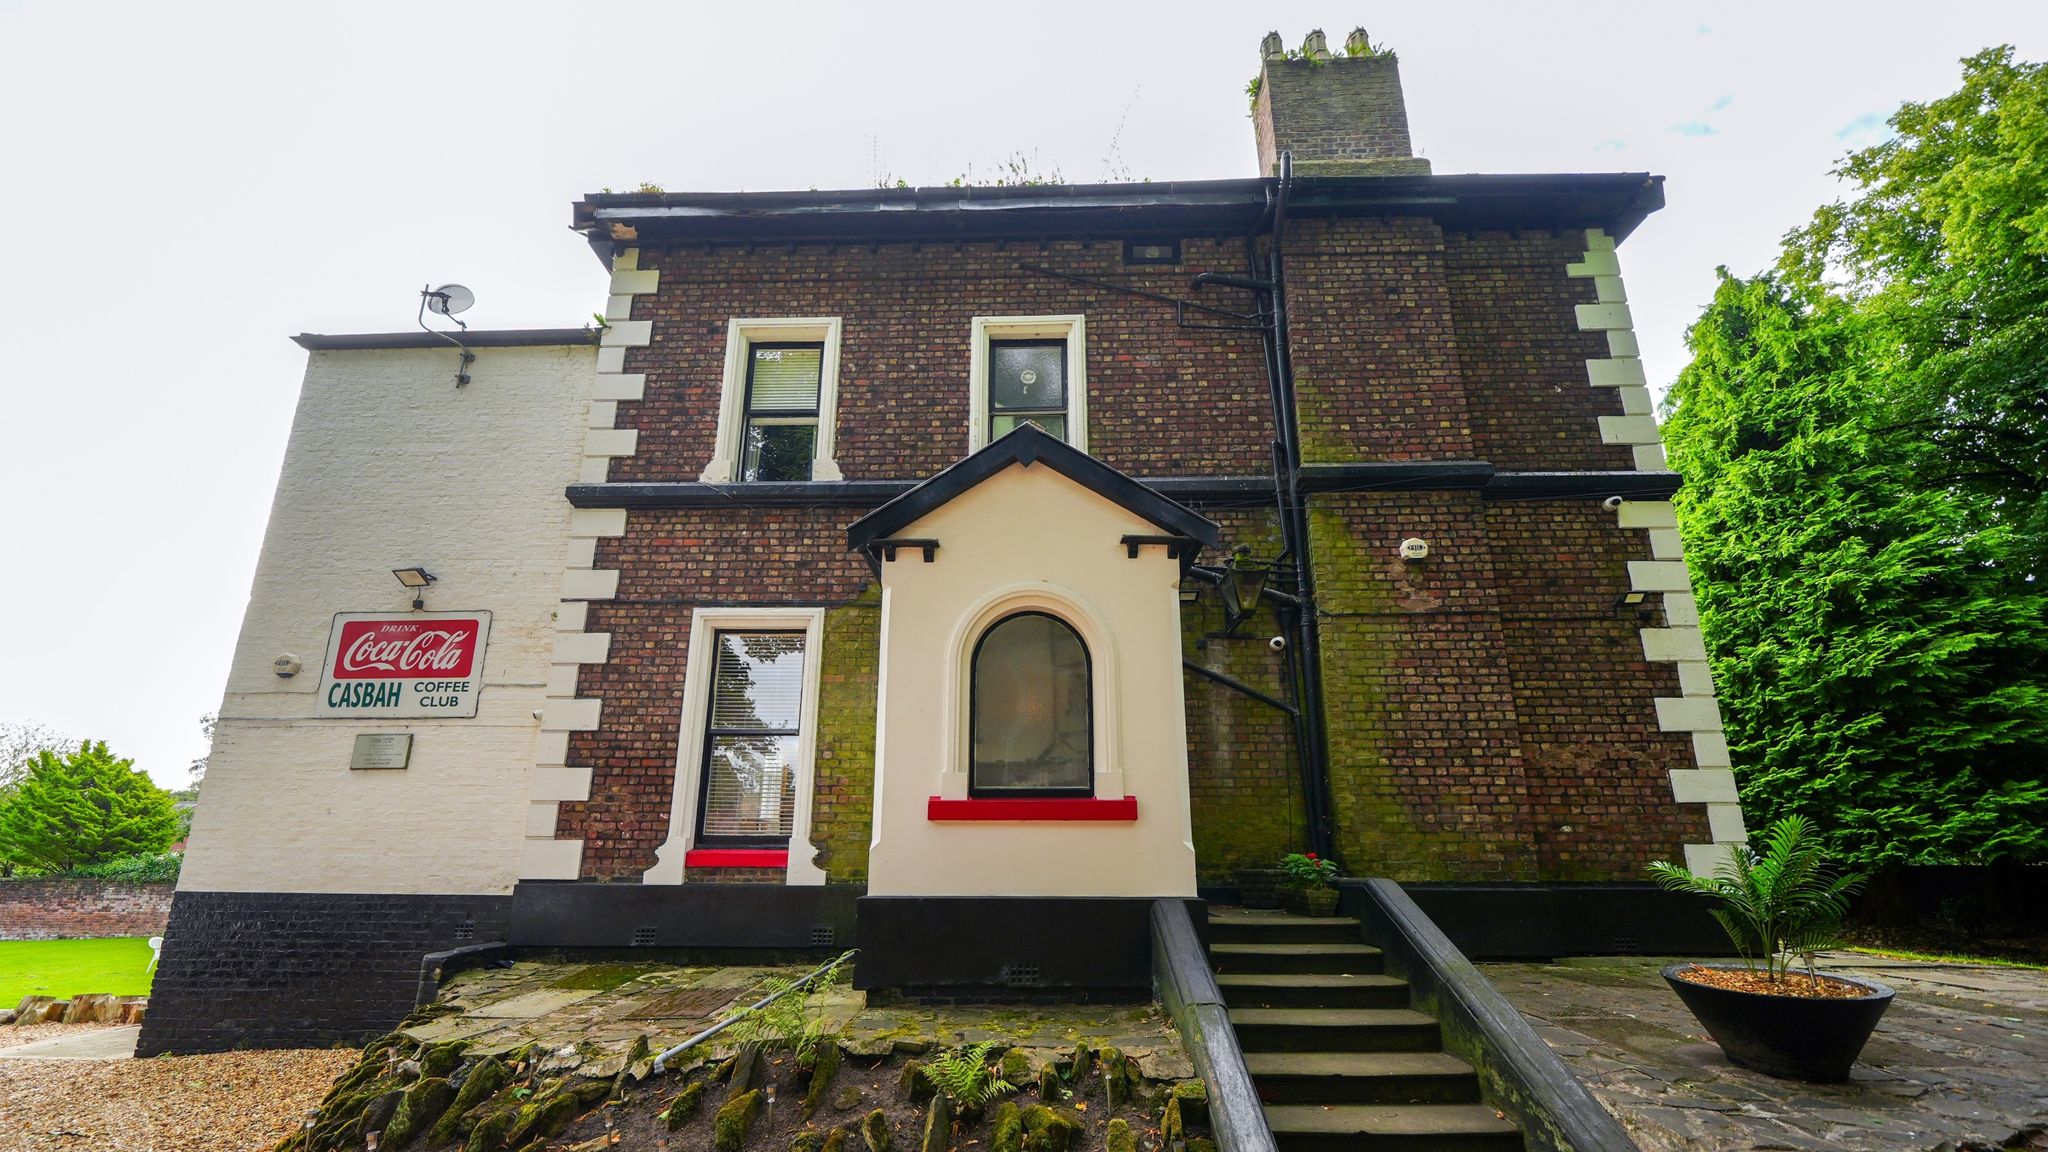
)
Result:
{"points": [[19, 743], [82, 809], [1863, 505]]}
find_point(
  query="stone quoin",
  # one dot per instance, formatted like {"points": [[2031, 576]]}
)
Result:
{"points": [[887, 569]]}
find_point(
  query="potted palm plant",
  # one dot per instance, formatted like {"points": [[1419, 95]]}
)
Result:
{"points": [[1311, 884], [1785, 904]]}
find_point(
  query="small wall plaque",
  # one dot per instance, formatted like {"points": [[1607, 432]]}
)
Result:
{"points": [[382, 750]]}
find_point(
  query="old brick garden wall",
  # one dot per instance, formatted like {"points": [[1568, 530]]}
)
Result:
{"points": [[67, 909]]}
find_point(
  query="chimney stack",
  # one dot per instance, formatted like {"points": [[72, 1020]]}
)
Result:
{"points": [[1338, 115]]}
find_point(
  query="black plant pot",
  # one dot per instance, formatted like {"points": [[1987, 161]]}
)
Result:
{"points": [[1793, 1037]]}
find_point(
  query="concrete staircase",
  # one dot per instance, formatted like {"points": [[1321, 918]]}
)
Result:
{"points": [[1337, 1055]]}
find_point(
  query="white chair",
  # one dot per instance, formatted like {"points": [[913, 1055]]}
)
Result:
{"points": [[156, 951]]}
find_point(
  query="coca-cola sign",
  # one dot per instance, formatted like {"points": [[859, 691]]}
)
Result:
{"points": [[392, 664]]}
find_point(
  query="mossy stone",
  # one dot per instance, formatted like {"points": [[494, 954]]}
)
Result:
{"points": [[1007, 1132], [847, 1098], [441, 1059], [1115, 1085], [1082, 1060], [730, 1127], [1120, 1138], [422, 1104], [484, 1081], [1201, 1144], [824, 1066], [723, 1072], [938, 1125], [1016, 1067], [551, 1110], [749, 1070], [807, 1140], [874, 1131], [378, 1112], [1187, 1106], [913, 1084], [835, 1140], [1049, 1129], [1050, 1088], [489, 1133], [685, 1104], [640, 1051]]}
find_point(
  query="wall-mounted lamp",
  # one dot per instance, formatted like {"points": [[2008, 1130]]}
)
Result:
{"points": [[417, 580], [1631, 599]]}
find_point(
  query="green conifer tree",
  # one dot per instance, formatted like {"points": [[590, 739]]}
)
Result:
{"points": [[84, 808]]}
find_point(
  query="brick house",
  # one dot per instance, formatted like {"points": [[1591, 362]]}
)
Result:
{"points": [[955, 570]]}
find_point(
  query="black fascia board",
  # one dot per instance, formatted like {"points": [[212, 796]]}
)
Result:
{"points": [[1028, 446], [1571, 485], [500, 338], [1617, 202], [1433, 476]]}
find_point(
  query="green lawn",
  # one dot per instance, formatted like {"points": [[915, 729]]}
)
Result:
{"points": [[65, 968]]}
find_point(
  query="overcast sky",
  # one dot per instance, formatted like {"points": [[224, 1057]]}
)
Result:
{"points": [[184, 186]]}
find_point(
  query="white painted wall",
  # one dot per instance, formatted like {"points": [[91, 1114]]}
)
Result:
{"points": [[1029, 538], [390, 465]]}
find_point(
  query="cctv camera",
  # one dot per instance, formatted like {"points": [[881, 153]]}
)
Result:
{"points": [[1612, 503], [1277, 643]]}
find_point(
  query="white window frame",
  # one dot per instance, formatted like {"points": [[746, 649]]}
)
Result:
{"points": [[741, 334], [1072, 329], [705, 624]]}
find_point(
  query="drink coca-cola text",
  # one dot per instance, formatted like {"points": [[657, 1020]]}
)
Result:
{"points": [[380, 649]]}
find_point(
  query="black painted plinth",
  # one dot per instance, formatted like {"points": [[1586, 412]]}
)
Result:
{"points": [[300, 969], [1006, 946], [549, 914]]}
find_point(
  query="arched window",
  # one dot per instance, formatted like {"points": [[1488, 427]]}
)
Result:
{"points": [[1032, 726]]}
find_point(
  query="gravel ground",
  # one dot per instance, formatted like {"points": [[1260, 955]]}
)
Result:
{"points": [[222, 1102]]}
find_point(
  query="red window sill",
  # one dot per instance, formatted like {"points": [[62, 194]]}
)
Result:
{"points": [[1121, 809], [736, 858]]}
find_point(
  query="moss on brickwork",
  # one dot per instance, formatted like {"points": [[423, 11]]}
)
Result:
{"points": [[842, 812], [1424, 770], [1244, 786]]}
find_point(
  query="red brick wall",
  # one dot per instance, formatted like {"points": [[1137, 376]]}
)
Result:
{"points": [[64, 909], [903, 369], [1598, 769], [1491, 717], [1522, 355]]}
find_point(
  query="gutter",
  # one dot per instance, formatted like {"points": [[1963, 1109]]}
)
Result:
{"points": [[499, 338]]}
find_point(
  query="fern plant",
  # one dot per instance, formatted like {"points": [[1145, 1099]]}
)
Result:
{"points": [[1787, 901], [967, 1076], [794, 1020]]}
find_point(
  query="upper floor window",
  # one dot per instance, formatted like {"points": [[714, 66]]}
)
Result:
{"points": [[1028, 370], [1031, 728], [781, 411], [776, 412]]}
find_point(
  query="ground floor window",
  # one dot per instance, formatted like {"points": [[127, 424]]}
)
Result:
{"points": [[753, 726], [1032, 724]]}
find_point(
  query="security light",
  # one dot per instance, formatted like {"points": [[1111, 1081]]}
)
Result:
{"points": [[1631, 599], [416, 579]]}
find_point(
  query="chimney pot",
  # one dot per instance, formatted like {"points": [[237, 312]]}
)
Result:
{"points": [[1358, 43], [1271, 47], [1315, 47]]}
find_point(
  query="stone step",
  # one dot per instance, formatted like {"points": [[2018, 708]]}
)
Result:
{"points": [[1334, 959], [1362, 1078], [1233, 926], [1312, 990], [1392, 1128], [1334, 1030]]}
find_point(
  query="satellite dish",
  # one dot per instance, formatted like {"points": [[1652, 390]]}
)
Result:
{"points": [[449, 299]]}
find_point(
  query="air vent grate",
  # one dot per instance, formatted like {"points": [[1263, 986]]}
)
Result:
{"points": [[823, 936], [1625, 945], [466, 930], [1021, 976], [643, 936]]}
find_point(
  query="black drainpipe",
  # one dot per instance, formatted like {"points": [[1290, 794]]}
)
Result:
{"points": [[1304, 653]]}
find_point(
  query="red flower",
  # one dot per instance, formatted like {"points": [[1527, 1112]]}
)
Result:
{"points": [[1312, 856]]}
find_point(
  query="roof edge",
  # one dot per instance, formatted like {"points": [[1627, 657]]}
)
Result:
{"points": [[489, 338]]}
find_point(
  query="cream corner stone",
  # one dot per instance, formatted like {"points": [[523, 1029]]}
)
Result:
{"points": [[572, 616], [1673, 644], [1674, 714], [1623, 344], [611, 360], [597, 522], [1636, 401], [1703, 786], [1724, 823], [1628, 430], [1597, 240], [562, 679], [1647, 514], [556, 782], [1650, 458], [1616, 372], [551, 749], [580, 553], [620, 386], [1710, 750], [1666, 544], [627, 334], [594, 470], [1695, 678], [602, 414], [576, 715], [1595, 263], [540, 819], [635, 281], [1681, 609], [1609, 290], [610, 441], [617, 307], [1659, 576], [582, 647], [550, 859], [590, 584], [1704, 859]]}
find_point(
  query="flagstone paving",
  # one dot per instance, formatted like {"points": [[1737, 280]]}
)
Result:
{"points": [[589, 1015], [1959, 1060]]}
